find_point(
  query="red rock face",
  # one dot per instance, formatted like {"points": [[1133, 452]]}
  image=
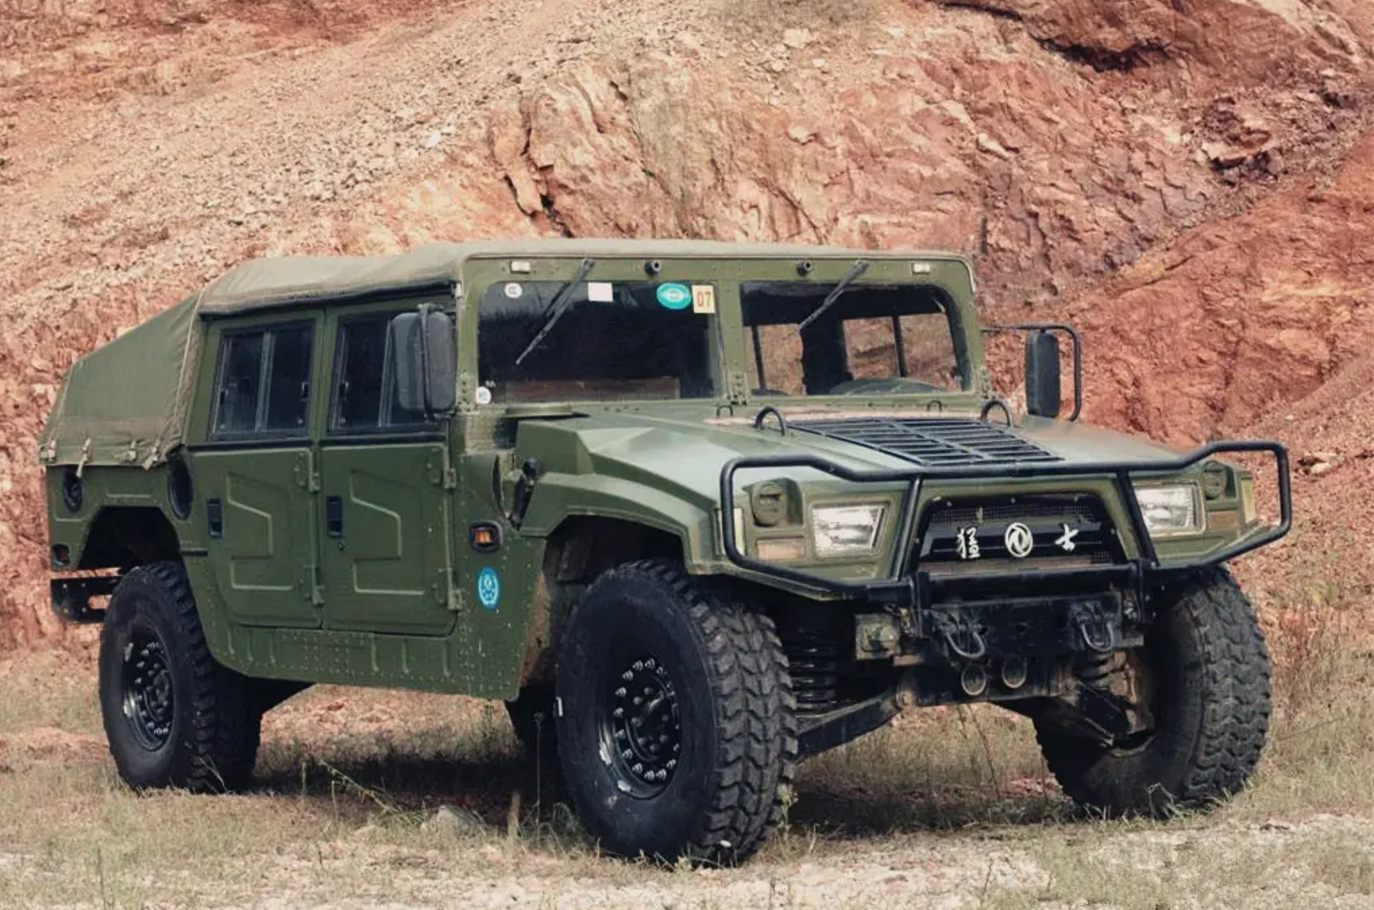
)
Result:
{"points": [[1185, 178]]}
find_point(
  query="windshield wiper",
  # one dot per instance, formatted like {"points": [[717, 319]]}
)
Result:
{"points": [[858, 268], [562, 301]]}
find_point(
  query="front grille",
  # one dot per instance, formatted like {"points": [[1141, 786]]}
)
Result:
{"points": [[934, 441], [970, 536]]}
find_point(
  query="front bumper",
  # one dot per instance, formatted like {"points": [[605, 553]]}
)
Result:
{"points": [[907, 585]]}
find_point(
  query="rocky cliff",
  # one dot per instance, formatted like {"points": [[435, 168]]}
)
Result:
{"points": [[1190, 180]]}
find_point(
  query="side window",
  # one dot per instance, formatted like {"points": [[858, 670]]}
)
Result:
{"points": [[240, 378], [365, 395], [264, 383]]}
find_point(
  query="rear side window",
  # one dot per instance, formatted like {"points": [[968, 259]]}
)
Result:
{"points": [[263, 386], [365, 396]]}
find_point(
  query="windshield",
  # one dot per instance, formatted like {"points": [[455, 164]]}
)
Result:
{"points": [[613, 341], [873, 340]]}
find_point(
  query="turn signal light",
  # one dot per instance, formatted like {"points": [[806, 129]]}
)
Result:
{"points": [[781, 549], [485, 537]]}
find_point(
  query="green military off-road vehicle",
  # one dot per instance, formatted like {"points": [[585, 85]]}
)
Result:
{"points": [[707, 508]]}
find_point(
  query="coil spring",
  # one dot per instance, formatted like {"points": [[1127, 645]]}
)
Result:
{"points": [[814, 659], [1096, 670]]}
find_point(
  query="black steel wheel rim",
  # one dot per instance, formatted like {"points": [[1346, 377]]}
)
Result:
{"points": [[147, 684], [641, 726]]}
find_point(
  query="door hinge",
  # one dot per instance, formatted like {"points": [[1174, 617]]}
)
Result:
{"points": [[441, 473], [312, 588], [307, 478], [446, 593]]}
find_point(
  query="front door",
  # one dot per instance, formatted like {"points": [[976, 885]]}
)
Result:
{"points": [[384, 494], [254, 473], [385, 549]]}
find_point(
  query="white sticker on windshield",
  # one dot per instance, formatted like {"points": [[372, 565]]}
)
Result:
{"points": [[514, 290], [601, 292], [703, 299], [483, 395]]}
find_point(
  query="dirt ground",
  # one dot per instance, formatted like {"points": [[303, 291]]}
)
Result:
{"points": [[368, 799]]}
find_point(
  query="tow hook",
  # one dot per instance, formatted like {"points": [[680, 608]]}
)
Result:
{"points": [[1094, 628], [961, 637]]}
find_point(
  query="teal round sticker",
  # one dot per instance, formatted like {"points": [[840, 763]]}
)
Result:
{"points": [[488, 588], [675, 296]]}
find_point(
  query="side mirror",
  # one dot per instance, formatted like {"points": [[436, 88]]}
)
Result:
{"points": [[1043, 392], [425, 347]]}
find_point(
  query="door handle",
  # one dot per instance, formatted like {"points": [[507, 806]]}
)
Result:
{"points": [[214, 515], [333, 516]]}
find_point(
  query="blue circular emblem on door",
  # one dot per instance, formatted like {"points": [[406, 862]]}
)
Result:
{"points": [[489, 588], [675, 296]]}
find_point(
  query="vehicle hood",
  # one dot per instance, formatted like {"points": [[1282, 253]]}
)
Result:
{"points": [[684, 452]]}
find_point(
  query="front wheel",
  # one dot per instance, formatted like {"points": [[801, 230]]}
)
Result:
{"points": [[1209, 670], [678, 734]]}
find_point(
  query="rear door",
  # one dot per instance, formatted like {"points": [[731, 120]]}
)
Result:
{"points": [[386, 488], [255, 471]]}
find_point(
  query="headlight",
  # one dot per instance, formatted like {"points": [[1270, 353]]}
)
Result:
{"points": [[846, 530], [1170, 509]]}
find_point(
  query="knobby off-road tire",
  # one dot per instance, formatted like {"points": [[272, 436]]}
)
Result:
{"points": [[1211, 669], [173, 716], [697, 677]]}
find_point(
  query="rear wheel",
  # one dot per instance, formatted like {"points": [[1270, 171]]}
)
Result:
{"points": [[173, 716], [1209, 673], [678, 735]]}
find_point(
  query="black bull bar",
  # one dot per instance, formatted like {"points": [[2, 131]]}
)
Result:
{"points": [[906, 588]]}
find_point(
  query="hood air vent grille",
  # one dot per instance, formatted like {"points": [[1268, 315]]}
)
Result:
{"points": [[933, 442]]}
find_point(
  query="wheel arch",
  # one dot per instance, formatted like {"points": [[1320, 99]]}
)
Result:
{"points": [[579, 549], [121, 537]]}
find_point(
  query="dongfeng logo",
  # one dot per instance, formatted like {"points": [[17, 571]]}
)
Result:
{"points": [[1019, 540]]}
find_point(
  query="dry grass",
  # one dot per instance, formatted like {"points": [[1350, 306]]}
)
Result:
{"points": [[348, 779]]}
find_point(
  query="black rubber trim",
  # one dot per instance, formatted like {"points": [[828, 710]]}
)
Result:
{"points": [[428, 434], [250, 444]]}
